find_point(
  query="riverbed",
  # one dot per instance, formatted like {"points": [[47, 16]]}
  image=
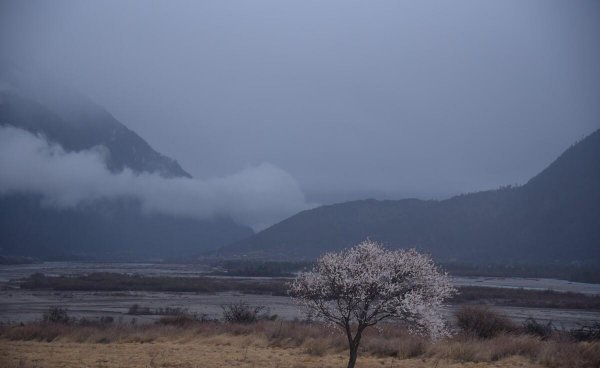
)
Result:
{"points": [[17, 305]]}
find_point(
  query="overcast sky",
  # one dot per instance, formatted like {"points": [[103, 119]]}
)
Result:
{"points": [[354, 99]]}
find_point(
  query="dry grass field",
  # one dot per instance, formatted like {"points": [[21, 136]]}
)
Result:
{"points": [[208, 352], [272, 344]]}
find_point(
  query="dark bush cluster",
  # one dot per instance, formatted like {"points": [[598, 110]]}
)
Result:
{"points": [[580, 272], [256, 268], [107, 281], [482, 322], [56, 315], [137, 309], [124, 282], [242, 312], [589, 332], [99, 322], [535, 328]]}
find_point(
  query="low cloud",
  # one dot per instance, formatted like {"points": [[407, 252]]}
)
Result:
{"points": [[257, 196]]}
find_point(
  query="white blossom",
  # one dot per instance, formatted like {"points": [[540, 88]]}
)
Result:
{"points": [[366, 284]]}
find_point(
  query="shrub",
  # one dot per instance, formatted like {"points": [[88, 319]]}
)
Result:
{"points": [[482, 322], [96, 322], [136, 309], [533, 327], [56, 315], [105, 320], [243, 313], [589, 332], [181, 320]]}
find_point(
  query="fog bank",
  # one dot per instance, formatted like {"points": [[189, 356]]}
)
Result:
{"points": [[257, 196]]}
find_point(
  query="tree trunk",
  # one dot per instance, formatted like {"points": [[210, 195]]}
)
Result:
{"points": [[353, 356], [354, 342]]}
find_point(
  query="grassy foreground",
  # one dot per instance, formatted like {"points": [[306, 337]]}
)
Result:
{"points": [[271, 344], [229, 351]]}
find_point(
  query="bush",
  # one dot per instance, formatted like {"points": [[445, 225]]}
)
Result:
{"points": [[105, 320], [587, 332], [106, 281], [243, 313], [100, 322], [56, 315], [136, 309], [533, 327], [482, 322]]}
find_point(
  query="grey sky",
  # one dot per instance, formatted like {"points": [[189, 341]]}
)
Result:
{"points": [[354, 99]]}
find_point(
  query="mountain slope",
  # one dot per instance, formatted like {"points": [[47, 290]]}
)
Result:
{"points": [[108, 229], [114, 230], [555, 216], [39, 105]]}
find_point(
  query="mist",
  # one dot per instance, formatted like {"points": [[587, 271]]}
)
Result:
{"points": [[257, 196], [354, 99]]}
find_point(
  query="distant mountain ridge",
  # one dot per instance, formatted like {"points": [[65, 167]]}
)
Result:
{"points": [[40, 105], [554, 216], [108, 229]]}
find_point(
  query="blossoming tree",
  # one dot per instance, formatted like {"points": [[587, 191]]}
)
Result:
{"points": [[366, 284]]}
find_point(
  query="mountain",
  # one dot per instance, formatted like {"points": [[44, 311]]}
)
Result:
{"points": [[115, 230], [38, 104], [554, 216], [108, 229]]}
